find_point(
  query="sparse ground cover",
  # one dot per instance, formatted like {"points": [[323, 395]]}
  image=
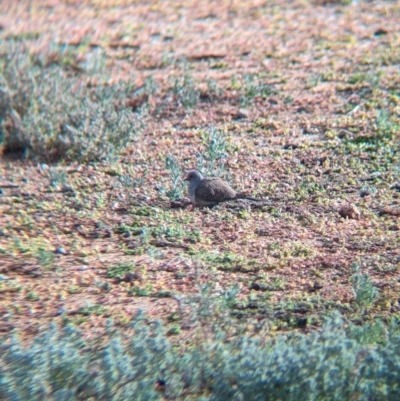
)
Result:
{"points": [[104, 104]]}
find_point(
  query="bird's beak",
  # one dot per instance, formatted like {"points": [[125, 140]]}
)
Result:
{"points": [[186, 177]]}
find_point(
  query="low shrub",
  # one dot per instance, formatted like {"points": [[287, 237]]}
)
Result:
{"points": [[49, 113], [337, 362]]}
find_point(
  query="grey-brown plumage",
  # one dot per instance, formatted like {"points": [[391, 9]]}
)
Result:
{"points": [[209, 191]]}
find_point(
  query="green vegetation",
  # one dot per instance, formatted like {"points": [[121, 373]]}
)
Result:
{"points": [[50, 115], [177, 187], [212, 161], [335, 362], [185, 92], [119, 271]]}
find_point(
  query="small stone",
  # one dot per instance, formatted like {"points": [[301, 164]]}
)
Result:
{"points": [[106, 287], [61, 251], [302, 322], [396, 186], [129, 277], [354, 99], [61, 311], [391, 211], [161, 382], [381, 31], [115, 206], [82, 268], [255, 286], [318, 285], [345, 134], [241, 115], [375, 174], [350, 211], [67, 188]]}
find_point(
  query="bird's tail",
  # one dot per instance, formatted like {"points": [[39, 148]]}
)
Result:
{"points": [[244, 196]]}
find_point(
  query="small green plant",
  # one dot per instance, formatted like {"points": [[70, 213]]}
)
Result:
{"points": [[300, 250], [213, 89], [32, 296], [141, 291], [207, 306], [212, 161], [131, 181], [45, 258], [386, 125], [313, 80], [235, 83], [163, 294], [174, 330], [366, 294], [185, 91], [177, 186], [20, 246], [371, 77], [119, 271], [74, 289], [368, 190], [175, 231], [226, 260], [150, 85], [252, 87], [57, 177], [382, 139], [309, 187], [95, 64], [229, 261], [92, 310], [267, 284]]}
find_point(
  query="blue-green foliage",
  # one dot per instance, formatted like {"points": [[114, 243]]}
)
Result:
{"points": [[49, 113], [57, 366], [334, 363], [177, 185]]}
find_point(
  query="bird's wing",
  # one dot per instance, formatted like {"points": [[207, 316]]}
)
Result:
{"points": [[214, 189]]}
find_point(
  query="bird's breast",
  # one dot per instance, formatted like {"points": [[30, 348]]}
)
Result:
{"points": [[192, 192]]}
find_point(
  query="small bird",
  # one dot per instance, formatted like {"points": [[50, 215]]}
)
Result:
{"points": [[209, 191]]}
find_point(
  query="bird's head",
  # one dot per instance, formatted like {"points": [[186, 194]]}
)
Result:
{"points": [[193, 176]]}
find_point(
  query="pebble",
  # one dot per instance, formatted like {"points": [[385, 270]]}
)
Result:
{"points": [[61, 311], [396, 186], [67, 188], [241, 115], [349, 211], [61, 251]]}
